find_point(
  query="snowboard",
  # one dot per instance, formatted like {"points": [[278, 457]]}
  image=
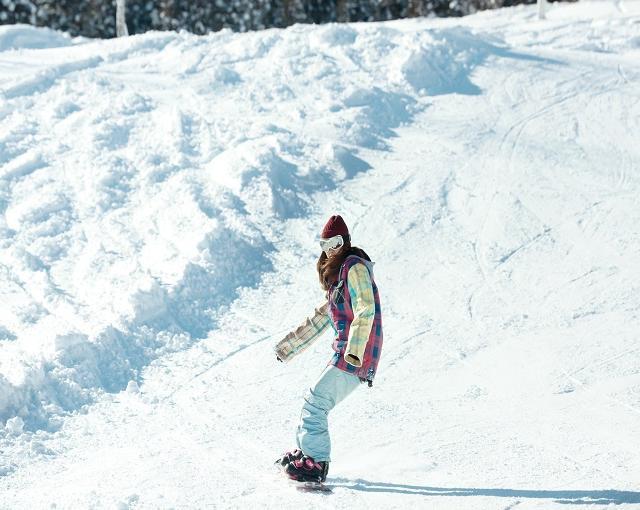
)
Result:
{"points": [[312, 487], [308, 486]]}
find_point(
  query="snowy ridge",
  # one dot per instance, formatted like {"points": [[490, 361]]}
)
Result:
{"points": [[17, 37], [152, 191], [160, 199]]}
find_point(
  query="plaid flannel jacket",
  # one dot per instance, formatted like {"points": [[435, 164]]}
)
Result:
{"points": [[356, 319], [304, 335]]}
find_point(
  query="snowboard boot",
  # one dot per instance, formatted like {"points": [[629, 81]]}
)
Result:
{"points": [[289, 457], [305, 469]]}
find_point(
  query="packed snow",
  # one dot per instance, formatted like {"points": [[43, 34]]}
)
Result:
{"points": [[161, 197]]}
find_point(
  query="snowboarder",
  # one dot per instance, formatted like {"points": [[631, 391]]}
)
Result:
{"points": [[352, 309]]}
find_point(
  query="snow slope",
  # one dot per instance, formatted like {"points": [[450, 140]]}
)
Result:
{"points": [[161, 197]]}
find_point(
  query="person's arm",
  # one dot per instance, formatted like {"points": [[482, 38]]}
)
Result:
{"points": [[363, 306], [304, 335]]}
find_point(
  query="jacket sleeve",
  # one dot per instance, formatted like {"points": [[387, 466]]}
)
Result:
{"points": [[363, 307], [304, 335]]}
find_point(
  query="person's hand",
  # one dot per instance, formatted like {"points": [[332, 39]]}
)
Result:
{"points": [[369, 383]]}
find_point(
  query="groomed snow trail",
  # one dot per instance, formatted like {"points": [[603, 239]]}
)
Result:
{"points": [[489, 165]]}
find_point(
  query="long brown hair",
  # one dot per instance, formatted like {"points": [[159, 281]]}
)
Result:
{"points": [[329, 268]]}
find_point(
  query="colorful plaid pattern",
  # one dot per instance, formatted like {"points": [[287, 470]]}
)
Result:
{"points": [[344, 300], [304, 335], [363, 307]]}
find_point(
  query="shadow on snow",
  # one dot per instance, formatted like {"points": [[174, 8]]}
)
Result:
{"points": [[572, 497]]}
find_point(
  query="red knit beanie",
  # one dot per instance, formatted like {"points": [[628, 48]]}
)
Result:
{"points": [[335, 226]]}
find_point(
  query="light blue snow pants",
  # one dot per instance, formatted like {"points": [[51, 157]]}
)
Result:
{"points": [[332, 388]]}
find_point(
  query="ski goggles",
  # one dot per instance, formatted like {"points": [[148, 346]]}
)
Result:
{"points": [[333, 243]]}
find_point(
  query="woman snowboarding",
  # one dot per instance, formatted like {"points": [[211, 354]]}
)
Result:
{"points": [[352, 310]]}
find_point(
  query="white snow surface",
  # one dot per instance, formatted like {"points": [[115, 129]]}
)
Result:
{"points": [[160, 201]]}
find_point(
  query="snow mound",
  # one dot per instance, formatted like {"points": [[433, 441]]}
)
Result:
{"points": [[16, 37], [145, 181]]}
